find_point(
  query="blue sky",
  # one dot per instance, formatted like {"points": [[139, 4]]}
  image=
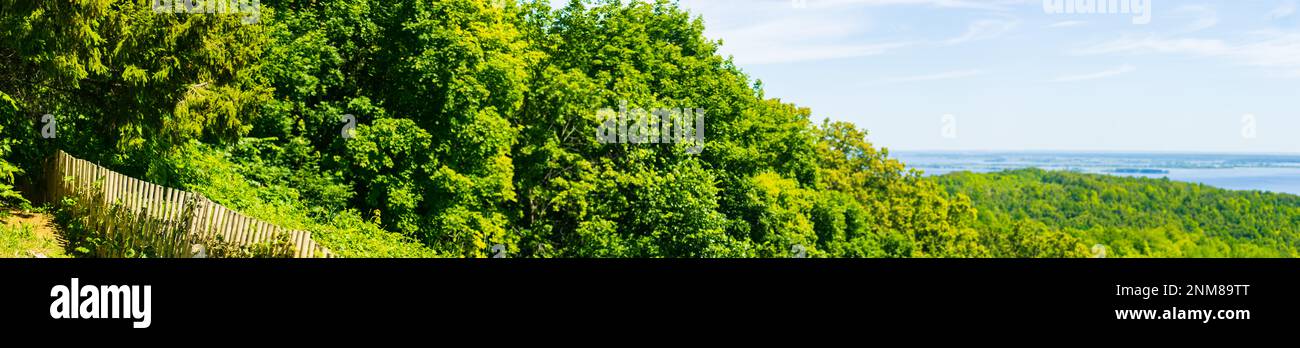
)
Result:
{"points": [[1201, 76]]}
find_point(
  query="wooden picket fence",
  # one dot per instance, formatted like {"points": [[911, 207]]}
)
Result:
{"points": [[70, 174]]}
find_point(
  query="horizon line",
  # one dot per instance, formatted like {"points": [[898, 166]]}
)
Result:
{"points": [[1094, 151]]}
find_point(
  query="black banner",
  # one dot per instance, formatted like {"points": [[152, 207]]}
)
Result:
{"points": [[356, 296]]}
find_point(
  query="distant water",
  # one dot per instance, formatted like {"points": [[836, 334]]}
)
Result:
{"points": [[1274, 173]]}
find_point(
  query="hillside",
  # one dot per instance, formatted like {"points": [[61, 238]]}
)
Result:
{"points": [[1134, 217], [456, 128]]}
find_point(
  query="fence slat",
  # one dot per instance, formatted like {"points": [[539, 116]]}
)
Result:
{"points": [[165, 205], [173, 200], [311, 245], [168, 202], [159, 201], [155, 197], [252, 230], [250, 234], [146, 205], [223, 222], [67, 171], [253, 233], [146, 200], [245, 232], [142, 196], [197, 208], [109, 190], [94, 178], [237, 228], [203, 218], [296, 238], [209, 217], [178, 204], [228, 221], [138, 189], [232, 226], [128, 193], [242, 225], [214, 218], [83, 173], [305, 250], [261, 230], [76, 175]]}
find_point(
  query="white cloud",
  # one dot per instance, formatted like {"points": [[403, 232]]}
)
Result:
{"points": [[1204, 16], [805, 53], [795, 28], [966, 4], [1130, 45], [774, 31], [1098, 75], [1286, 9], [1067, 24], [800, 38], [1276, 50], [983, 30], [939, 76]]}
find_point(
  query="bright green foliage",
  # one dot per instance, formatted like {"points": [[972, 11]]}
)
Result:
{"points": [[1131, 217], [127, 84], [392, 155], [761, 193], [908, 216], [8, 196], [477, 123], [253, 181]]}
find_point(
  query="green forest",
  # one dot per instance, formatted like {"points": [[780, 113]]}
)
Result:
{"points": [[1130, 217], [445, 128]]}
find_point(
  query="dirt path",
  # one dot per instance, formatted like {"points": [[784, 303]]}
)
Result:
{"points": [[29, 234]]}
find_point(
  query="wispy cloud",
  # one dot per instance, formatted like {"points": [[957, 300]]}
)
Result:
{"points": [[1067, 24], [1130, 45], [1286, 9], [1277, 50], [807, 53], [801, 38], [1203, 16], [959, 4], [983, 30], [1098, 75], [950, 75], [775, 32]]}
